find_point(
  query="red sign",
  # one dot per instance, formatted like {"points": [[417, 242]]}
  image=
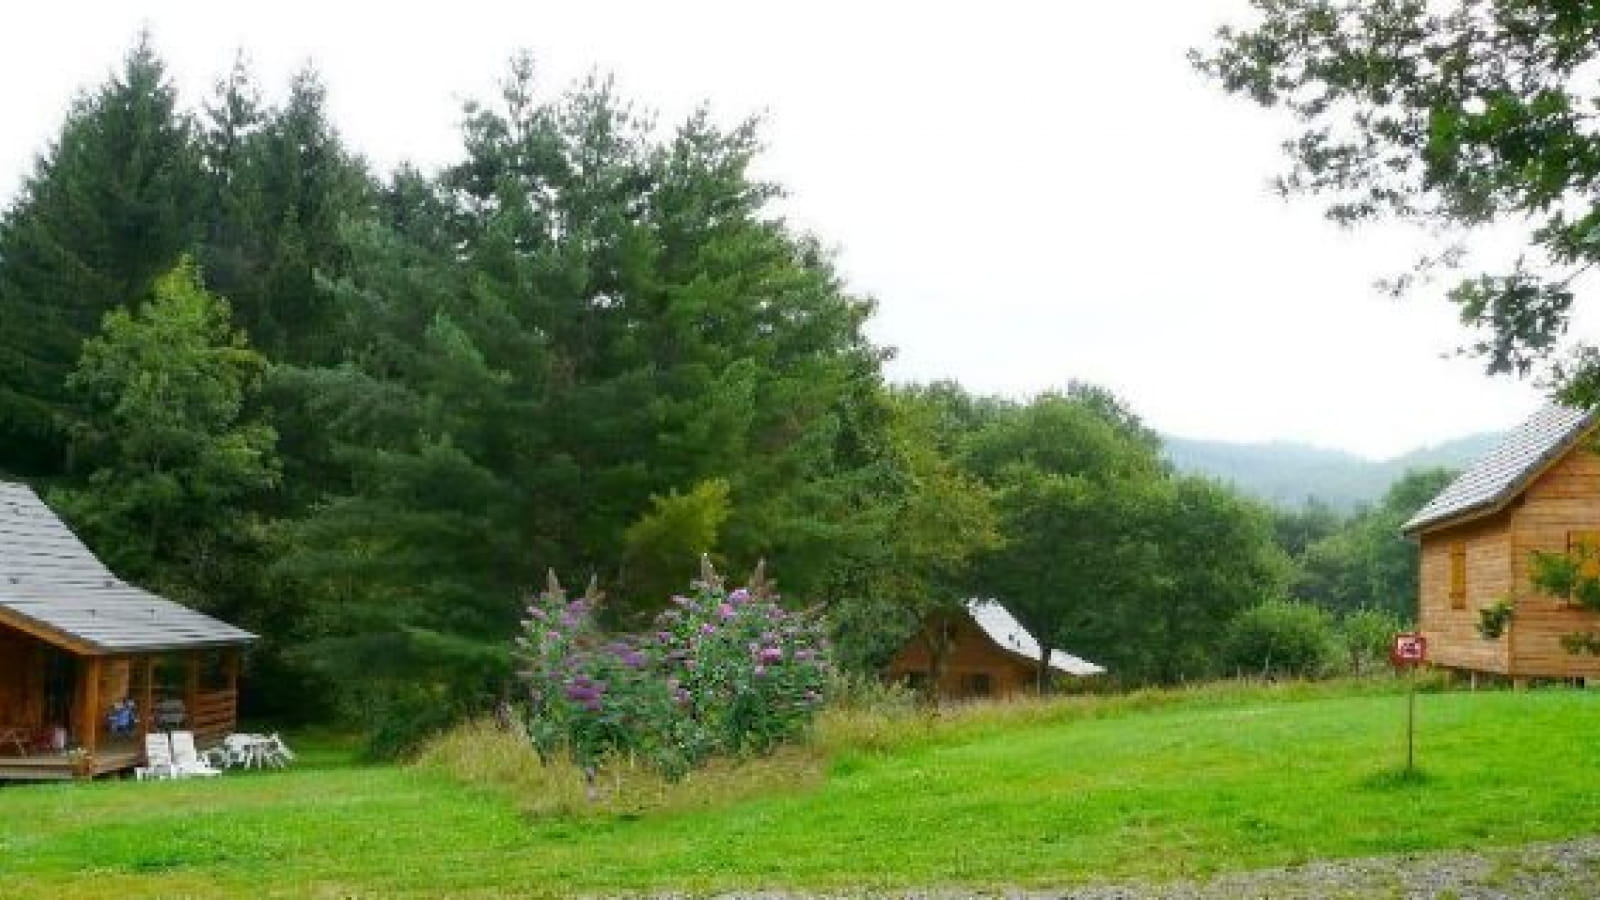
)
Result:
{"points": [[1409, 650]]}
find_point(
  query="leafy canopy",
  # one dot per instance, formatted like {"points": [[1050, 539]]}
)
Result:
{"points": [[1456, 115]]}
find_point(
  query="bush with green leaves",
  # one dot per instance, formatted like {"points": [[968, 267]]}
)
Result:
{"points": [[1281, 638], [722, 673], [748, 673], [1367, 635]]}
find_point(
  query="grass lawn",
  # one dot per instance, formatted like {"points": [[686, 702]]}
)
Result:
{"points": [[1180, 790]]}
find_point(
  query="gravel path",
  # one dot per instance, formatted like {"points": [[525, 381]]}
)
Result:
{"points": [[1565, 869], [1569, 870]]}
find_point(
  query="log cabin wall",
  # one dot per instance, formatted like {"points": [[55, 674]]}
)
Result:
{"points": [[1450, 623], [973, 668], [22, 676], [1562, 501]]}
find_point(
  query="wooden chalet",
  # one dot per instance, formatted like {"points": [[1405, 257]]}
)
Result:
{"points": [[1539, 490], [80, 650], [986, 653]]}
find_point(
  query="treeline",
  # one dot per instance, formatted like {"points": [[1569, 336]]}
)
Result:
{"points": [[361, 413]]}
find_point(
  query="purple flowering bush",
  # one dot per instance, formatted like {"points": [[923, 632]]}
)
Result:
{"points": [[748, 673], [588, 695], [720, 672]]}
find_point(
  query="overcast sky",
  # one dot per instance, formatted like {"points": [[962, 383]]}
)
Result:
{"points": [[1032, 191]]}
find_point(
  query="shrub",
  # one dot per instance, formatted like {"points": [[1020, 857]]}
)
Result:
{"points": [[1281, 638], [588, 696], [722, 672], [1494, 619], [1367, 636], [748, 673]]}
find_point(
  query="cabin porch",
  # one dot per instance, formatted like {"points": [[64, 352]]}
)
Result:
{"points": [[67, 713], [112, 758]]}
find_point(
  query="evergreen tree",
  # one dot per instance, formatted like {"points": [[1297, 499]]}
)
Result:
{"points": [[110, 205], [281, 188]]}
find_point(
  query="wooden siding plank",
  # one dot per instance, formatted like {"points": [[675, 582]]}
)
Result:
{"points": [[1563, 500]]}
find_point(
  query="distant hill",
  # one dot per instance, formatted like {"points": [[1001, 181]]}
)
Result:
{"points": [[1287, 474]]}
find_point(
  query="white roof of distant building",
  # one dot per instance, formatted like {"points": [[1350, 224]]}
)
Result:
{"points": [[1004, 629]]}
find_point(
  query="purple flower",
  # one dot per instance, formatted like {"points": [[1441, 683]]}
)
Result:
{"points": [[740, 596], [708, 628], [664, 637], [771, 654], [633, 659], [725, 610]]}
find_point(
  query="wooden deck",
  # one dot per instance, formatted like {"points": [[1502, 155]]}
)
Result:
{"points": [[56, 767]]}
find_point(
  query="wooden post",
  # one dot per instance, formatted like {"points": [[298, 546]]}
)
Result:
{"points": [[1411, 722], [89, 703], [147, 706], [191, 688], [231, 664]]}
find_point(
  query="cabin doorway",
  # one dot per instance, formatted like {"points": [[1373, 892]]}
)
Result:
{"points": [[60, 684]]}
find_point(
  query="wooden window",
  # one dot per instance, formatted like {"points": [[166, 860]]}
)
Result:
{"points": [[1458, 575], [977, 684]]}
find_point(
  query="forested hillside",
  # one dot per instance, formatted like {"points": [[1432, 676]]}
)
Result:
{"points": [[1288, 474], [362, 413]]}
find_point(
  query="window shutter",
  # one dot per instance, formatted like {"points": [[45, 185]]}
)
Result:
{"points": [[1458, 575]]}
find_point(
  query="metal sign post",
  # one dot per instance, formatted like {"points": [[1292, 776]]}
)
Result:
{"points": [[1408, 652]]}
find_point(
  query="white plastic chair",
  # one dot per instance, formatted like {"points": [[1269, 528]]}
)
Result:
{"points": [[157, 758], [186, 759], [281, 755]]}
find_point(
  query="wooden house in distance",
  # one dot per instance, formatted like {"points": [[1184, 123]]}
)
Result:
{"points": [[988, 655], [1538, 490], [77, 642]]}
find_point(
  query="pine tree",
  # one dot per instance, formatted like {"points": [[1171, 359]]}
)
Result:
{"points": [[282, 188], [110, 205]]}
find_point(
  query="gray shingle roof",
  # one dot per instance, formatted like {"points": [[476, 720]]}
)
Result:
{"points": [[1506, 470], [51, 580]]}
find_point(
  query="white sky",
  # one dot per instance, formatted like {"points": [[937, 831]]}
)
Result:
{"points": [[1033, 191]]}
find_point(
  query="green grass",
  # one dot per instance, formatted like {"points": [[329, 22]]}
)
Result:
{"points": [[1039, 794]]}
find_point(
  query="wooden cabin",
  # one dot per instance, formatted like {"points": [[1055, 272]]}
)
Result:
{"points": [[987, 654], [1538, 490], [89, 663]]}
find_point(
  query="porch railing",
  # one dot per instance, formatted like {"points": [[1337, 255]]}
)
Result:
{"points": [[213, 715]]}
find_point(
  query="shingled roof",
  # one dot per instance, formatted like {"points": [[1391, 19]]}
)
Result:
{"points": [[53, 586], [1500, 476], [1004, 629]]}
